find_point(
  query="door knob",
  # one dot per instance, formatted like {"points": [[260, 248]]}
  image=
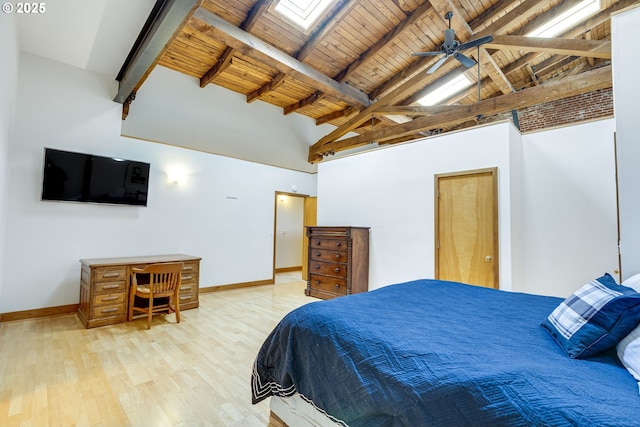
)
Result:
{"points": [[488, 258]]}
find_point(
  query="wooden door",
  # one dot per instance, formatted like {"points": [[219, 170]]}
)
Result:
{"points": [[309, 219], [467, 227]]}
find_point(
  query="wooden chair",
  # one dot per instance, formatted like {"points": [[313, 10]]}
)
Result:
{"points": [[163, 282]]}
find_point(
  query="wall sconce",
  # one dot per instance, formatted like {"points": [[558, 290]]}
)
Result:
{"points": [[176, 176]]}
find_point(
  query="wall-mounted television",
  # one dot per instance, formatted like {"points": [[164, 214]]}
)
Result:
{"points": [[78, 177]]}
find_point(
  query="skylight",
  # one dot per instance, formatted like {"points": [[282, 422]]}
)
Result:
{"points": [[446, 90], [566, 20], [302, 12]]}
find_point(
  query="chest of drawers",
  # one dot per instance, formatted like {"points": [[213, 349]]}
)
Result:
{"points": [[338, 261], [104, 286]]}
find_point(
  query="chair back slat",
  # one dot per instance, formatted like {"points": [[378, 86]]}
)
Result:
{"points": [[164, 278]]}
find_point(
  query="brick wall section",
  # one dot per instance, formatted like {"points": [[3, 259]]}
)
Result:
{"points": [[588, 106]]}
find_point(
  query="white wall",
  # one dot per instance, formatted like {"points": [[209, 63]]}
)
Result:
{"points": [[223, 211], [569, 207], [171, 107], [8, 89], [391, 190], [289, 227], [626, 93], [556, 194]]}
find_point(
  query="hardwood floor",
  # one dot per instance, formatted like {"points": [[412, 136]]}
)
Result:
{"points": [[195, 373]]}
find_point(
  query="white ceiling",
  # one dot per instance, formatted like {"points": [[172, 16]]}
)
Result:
{"points": [[95, 35]]}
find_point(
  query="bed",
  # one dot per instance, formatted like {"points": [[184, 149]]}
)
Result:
{"points": [[434, 353]]}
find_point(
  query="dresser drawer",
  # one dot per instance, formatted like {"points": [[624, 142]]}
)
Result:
{"points": [[109, 299], [110, 287], [328, 243], [107, 274], [328, 284], [328, 269], [327, 255], [108, 311]]}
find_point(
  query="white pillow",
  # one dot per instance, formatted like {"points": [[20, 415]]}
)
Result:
{"points": [[629, 353], [632, 282]]}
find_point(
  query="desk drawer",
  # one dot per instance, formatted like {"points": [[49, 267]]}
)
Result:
{"points": [[188, 298], [109, 299], [188, 288], [110, 287], [110, 274], [108, 311], [189, 277], [191, 267]]}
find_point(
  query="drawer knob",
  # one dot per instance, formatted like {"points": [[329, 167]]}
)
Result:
{"points": [[337, 270], [338, 244], [317, 282], [318, 242], [187, 277], [337, 286], [317, 253], [337, 256], [110, 286], [109, 310], [317, 267], [111, 298]]}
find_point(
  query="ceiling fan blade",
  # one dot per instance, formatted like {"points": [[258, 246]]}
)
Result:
{"points": [[449, 38], [464, 60], [426, 53], [437, 65], [476, 42]]}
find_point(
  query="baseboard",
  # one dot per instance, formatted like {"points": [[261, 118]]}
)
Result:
{"points": [[288, 269], [38, 312], [236, 286], [72, 308]]}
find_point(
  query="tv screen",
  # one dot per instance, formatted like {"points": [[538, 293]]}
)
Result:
{"points": [[78, 177]]}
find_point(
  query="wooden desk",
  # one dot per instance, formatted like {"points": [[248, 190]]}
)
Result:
{"points": [[104, 286]]}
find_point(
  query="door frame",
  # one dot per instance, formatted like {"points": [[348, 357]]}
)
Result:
{"points": [[275, 224], [496, 244]]}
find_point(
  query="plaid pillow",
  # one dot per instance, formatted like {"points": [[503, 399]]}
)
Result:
{"points": [[594, 318]]}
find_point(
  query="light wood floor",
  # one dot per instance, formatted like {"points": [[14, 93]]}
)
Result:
{"points": [[53, 372]]}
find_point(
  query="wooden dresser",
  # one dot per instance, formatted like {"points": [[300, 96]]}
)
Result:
{"points": [[338, 261], [104, 286]]}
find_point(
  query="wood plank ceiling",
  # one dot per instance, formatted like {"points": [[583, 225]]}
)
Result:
{"points": [[354, 68]]}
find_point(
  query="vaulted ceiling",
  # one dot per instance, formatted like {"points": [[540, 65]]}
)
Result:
{"points": [[355, 70]]}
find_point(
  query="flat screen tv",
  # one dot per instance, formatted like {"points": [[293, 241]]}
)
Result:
{"points": [[78, 177]]}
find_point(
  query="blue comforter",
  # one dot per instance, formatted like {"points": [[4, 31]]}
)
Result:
{"points": [[433, 353]]}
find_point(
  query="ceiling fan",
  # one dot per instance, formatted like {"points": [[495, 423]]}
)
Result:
{"points": [[452, 47]]}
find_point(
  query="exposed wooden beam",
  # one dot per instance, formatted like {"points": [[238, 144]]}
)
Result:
{"points": [[370, 53], [149, 47], [220, 66], [557, 89], [225, 59], [276, 81], [253, 47], [349, 111], [570, 47]]}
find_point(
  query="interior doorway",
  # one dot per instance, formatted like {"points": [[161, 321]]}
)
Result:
{"points": [[292, 213], [466, 227]]}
